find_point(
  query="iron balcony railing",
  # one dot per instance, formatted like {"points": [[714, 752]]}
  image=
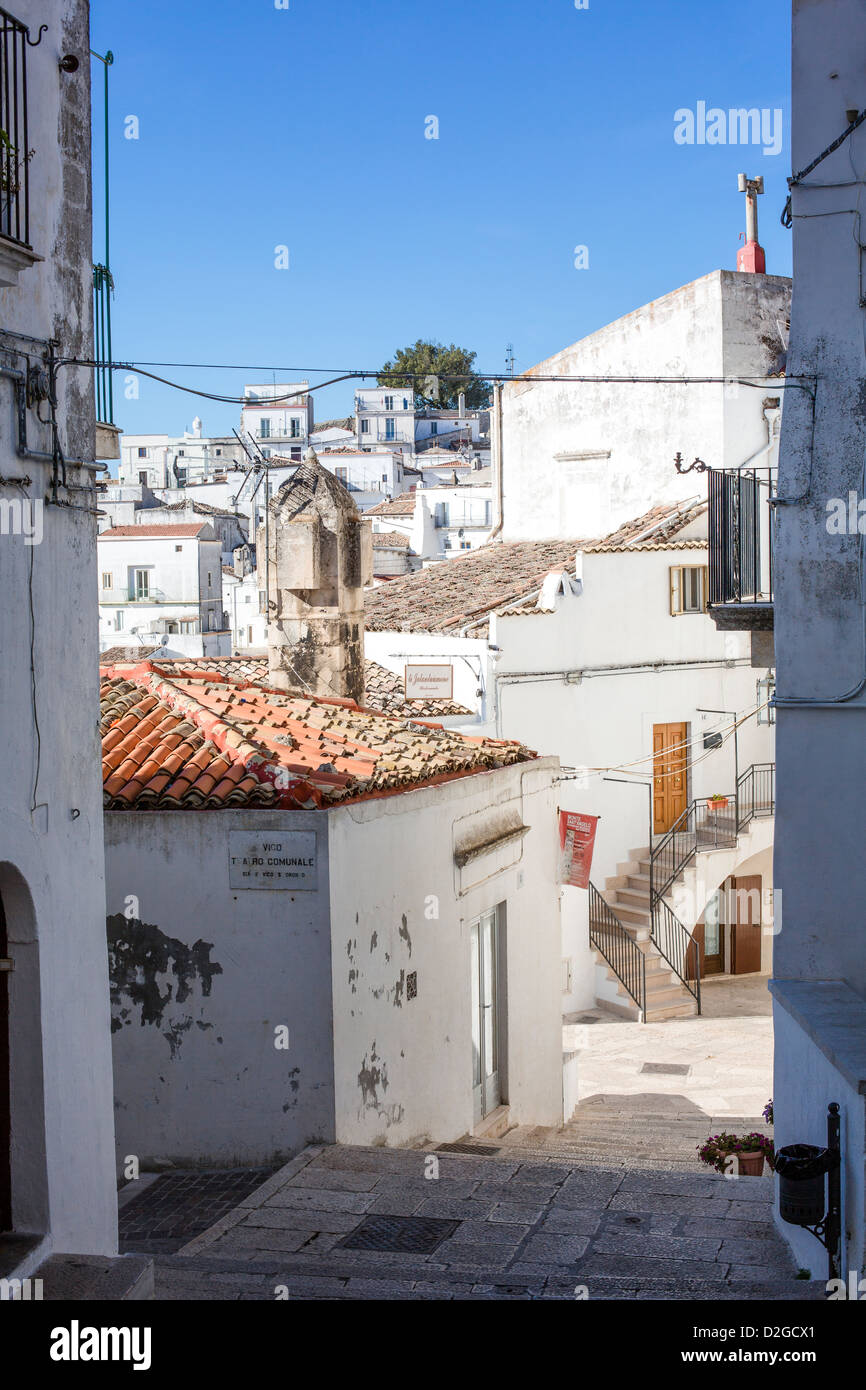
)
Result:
{"points": [[740, 526], [756, 793], [620, 950], [15, 151]]}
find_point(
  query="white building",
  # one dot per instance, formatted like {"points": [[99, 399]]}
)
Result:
{"points": [[163, 581], [603, 654], [245, 609], [385, 415], [169, 461], [57, 1182], [278, 418], [579, 458], [819, 985], [363, 909]]}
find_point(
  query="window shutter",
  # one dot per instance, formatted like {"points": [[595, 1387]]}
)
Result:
{"points": [[676, 586], [705, 587]]}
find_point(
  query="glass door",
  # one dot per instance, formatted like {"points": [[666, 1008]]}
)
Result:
{"points": [[484, 956]]}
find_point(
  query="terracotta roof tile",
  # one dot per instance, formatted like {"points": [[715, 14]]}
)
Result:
{"points": [[182, 735], [402, 505], [178, 530]]}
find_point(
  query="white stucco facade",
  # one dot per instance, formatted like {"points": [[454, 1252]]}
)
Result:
{"points": [[579, 458], [56, 1169], [168, 584], [369, 971]]}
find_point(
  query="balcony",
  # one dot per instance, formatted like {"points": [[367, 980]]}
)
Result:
{"points": [[740, 521], [16, 253]]}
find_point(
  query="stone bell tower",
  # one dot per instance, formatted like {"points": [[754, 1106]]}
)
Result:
{"points": [[318, 556]]}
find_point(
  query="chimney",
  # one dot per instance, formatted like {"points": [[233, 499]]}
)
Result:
{"points": [[461, 404], [751, 257], [319, 556]]}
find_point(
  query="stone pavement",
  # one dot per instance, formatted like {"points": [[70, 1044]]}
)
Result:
{"points": [[496, 1227]]}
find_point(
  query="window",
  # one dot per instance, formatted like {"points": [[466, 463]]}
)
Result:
{"points": [[142, 477], [209, 579], [296, 455], [219, 453], [434, 426], [264, 429], [405, 402], [766, 689], [688, 589], [342, 474], [295, 428], [178, 547], [384, 477], [118, 619], [142, 453], [365, 426], [107, 581], [390, 429], [389, 402], [261, 600], [180, 453], [141, 584]]}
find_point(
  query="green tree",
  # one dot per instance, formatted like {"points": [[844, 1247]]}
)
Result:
{"points": [[432, 370]]}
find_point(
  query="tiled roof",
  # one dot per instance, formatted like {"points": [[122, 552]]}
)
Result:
{"points": [[178, 737], [346, 422], [402, 505], [112, 655], [465, 588], [655, 527], [204, 508], [384, 689], [463, 591], [390, 540], [179, 530]]}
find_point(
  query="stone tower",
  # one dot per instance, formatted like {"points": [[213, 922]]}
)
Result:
{"points": [[318, 555]]}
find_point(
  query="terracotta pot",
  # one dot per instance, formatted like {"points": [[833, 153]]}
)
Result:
{"points": [[718, 805], [750, 1163]]}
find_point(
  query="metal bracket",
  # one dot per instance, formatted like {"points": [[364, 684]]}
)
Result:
{"points": [[698, 465]]}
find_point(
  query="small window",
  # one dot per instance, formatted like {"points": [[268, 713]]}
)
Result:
{"points": [[209, 579], [181, 452], [365, 426], [296, 455], [219, 453], [118, 619], [688, 589], [434, 426], [142, 453], [342, 474], [390, 429], [141, 584], [142, 477], [389, 402], [107, 581], [405, 402], [178, 547], [295, 428], [264, 429]]}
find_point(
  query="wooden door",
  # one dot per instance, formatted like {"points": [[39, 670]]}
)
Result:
{"points": [[670, 774], [746, 924]]}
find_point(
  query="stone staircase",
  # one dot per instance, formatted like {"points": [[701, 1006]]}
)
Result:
{"points": [[627, 894]]}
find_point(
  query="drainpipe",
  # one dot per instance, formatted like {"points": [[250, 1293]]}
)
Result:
{"points": [[496, 456]]}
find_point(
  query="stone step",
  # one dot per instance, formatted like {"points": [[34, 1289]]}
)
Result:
{"points": [[99, 1278]]}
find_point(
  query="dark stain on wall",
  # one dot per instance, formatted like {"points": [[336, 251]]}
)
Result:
{"points": [[139, 956], [404, 932]]}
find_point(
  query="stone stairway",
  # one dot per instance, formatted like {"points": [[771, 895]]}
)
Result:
{"points": [[627, 894]]}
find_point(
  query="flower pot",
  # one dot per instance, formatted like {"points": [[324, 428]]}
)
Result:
{"points": [[718, 805], [750, 1163]]}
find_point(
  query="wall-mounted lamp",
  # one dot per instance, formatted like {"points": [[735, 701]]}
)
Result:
{"points": [[69, 63]]}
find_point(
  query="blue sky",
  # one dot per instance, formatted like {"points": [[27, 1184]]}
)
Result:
{"points": [[305, 127]]}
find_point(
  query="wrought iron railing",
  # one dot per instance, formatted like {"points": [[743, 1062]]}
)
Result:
{"points": [[756, 793], [705, 824], [103, 285], [15, 151], [679, 948], [740, 525], [620, 950]]}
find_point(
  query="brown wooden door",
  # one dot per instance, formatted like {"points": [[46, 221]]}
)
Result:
{"points": [[670, 774], [746, 924]]}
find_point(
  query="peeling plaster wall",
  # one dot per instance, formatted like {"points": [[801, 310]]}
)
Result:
{"points": [[201, 976], [52, 876], [724, 324], [403, 1066]]}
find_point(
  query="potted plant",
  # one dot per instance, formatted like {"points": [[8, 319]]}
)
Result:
{"points": [[717, 802], [749, 1150], [11, 163]]}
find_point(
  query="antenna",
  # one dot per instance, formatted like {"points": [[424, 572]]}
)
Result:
{"points": [[509, 358]]}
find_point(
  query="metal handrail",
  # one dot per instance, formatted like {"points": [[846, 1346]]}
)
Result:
{"points": [[697, 829], [622, 953], [676, 943], [740, 524], [15, 151]]}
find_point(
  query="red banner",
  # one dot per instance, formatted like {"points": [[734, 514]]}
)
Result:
{"points": [[577, 841]]}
